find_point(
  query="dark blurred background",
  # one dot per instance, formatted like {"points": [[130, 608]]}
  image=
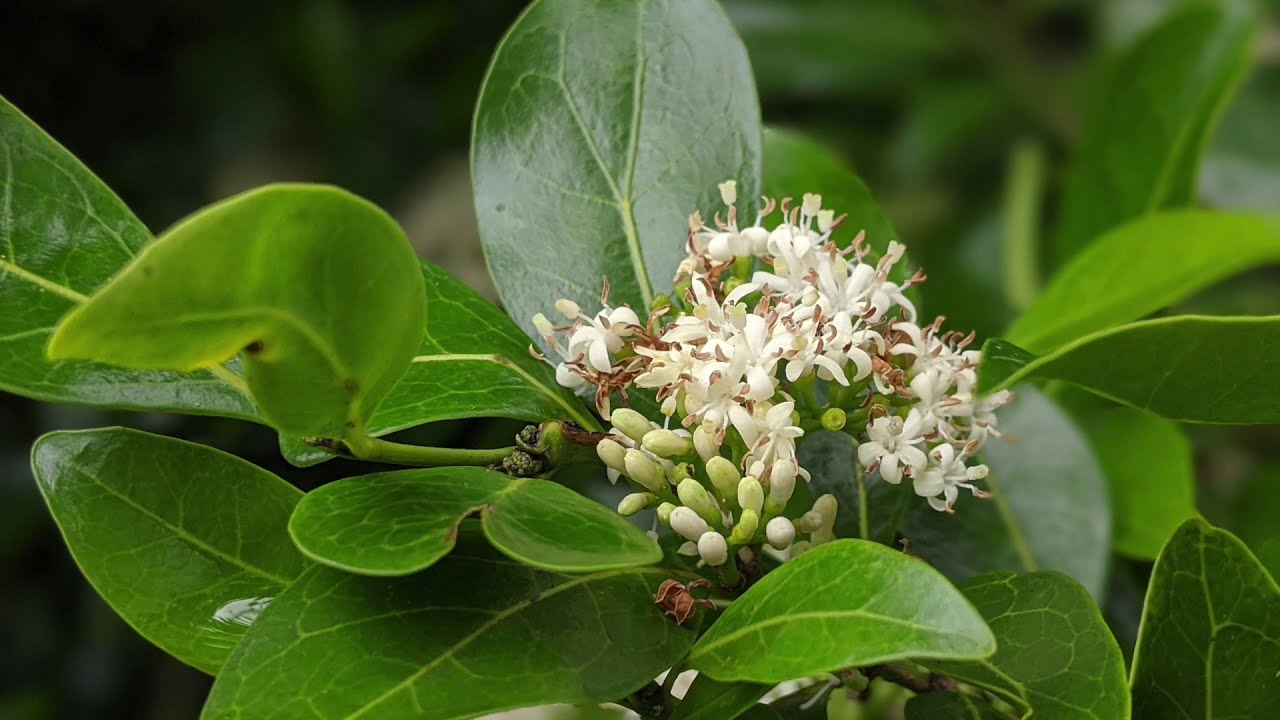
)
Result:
{"points": [[177, 103]]}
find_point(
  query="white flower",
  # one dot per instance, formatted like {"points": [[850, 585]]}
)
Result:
{"points": [[892, 447], [947, 473]]}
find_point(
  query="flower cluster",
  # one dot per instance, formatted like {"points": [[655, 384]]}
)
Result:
{"points": [[774, 331]]}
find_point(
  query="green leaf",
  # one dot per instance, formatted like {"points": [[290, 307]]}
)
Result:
{"points": [[600, 127], [474, 634], [1049, 509], [1240, 169], [63, 233], [398, 523], [1190, 368], [185, 542], [952, 706], [1151, 118], [1142, 267], [319, 288], [845, 603], [1210, 639], [1148, 464], [709, 699], [473, 362], [1056, 655], [795, 164]]}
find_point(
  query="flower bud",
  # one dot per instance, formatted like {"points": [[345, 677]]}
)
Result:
{"points": [[825, 507], [782, 481], [750, 494], [644, 471], [665, 443], [713, 548], [833, 419], [724, 476], [748, 523], [687, 524], [612, 454], [664, 513], [696, 498], [780, 533], [635, 502], [809, 522], [631, 423], [704, 441]]}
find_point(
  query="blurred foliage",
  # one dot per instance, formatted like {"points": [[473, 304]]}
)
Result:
{"points": [[175, 103]]}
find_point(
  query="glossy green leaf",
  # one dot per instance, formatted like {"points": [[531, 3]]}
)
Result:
{"points": [[951, 706], [1049, 508], [709, 699], [474, 362], [600, 127], [1149, 468], [475, 634], [845, 603], [1143, 267], [319, 288], [1209, 646], [1151, 118], [63, 233], [1056, 656], [1190, 368], [398, 523], [187, 543], [795, 164]]}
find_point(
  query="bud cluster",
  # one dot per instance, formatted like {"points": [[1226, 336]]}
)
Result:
{"points": [[773, 332]]}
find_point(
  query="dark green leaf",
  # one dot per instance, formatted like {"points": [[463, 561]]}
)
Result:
{"points": [[1049, 509], [474, 634], [186, 542], [1209, 646], [950, 706], [398, 523], [600, 127], [844, 603], [1056, 656], [1240, 169], [1143, 267], [794, 164], [1190, 368], [1148, 464], [474, 362], [1151, 118], [709, 699], [319, 288], [62, 235]]}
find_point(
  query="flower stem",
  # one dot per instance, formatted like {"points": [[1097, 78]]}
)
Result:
{"points": [[860, 478], [378, 450]]}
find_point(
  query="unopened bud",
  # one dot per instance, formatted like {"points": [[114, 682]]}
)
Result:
{"points": [[704, 441], [696, 498], [748, 523], [780, 533], [833, 419], [644, 471], [750, 494], [634, 503], [713, 548], [826, 507], [724, 476], [665, 443], [664, 513], [612, 454], [782, 481], [687, 524], [631, 423], [809, 522]]}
